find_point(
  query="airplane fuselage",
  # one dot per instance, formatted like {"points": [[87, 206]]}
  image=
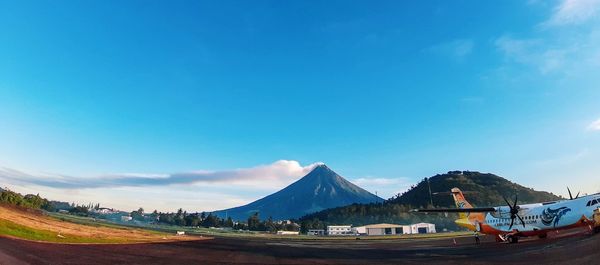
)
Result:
{"points": [[539, 218]]}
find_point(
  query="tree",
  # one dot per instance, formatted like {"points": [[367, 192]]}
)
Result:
{"points": [[270, 225], [211, 221], [138, 215], [228, 222], [79, 210], [254, 223]]}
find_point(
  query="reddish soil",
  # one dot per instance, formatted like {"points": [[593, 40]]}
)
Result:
{"points": [[37, 220], [567, 248]]}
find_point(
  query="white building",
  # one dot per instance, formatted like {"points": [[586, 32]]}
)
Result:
{"points": [[339, 230], [395, 229], [126, 218], [383, 229], [295, 233], [422, 228], [104, 211], [315, 232]]}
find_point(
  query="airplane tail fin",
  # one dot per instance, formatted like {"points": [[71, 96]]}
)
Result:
{"points": [[460, 201]]}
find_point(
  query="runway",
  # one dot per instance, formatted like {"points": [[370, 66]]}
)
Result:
{"points": [[566, 248]]}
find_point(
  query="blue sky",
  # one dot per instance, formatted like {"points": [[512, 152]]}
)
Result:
{"points": [[244, 96]]}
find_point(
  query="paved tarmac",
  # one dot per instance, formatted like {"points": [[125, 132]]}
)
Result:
{"points": [[575, 247]]}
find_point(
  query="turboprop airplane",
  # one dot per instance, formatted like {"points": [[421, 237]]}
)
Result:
{"points": [[536, 219]]}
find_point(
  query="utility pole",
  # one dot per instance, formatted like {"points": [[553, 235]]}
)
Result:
{"points": [[430, 197]]}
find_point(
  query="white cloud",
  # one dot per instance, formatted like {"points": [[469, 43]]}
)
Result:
{"points": [[275, 174], [574, 12], [202, 190], [594, 126]]}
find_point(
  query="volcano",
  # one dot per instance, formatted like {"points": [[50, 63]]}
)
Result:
{"points": [[320, 189]]}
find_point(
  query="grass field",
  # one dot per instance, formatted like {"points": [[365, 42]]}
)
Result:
{"points": [[262, 235], [64, 228], [16, 230], [35, 225]]}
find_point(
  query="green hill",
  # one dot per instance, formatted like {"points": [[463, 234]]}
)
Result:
{"points": [[482, 189]]}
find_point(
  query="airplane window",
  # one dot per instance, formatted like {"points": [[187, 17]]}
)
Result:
{"points": [[588, 204], [594, 202]]}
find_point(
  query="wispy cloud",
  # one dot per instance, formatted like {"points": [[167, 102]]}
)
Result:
{"points": [[564, 159], [517, 49], [568, 53], [384, 187], [282, 171], [594, 126], [457, 49], [573, 12], [536, 52], [377, 181]]}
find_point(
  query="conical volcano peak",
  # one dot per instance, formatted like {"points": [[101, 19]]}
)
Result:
{"points": [[321, 170], [321, 167], [320, 189]]}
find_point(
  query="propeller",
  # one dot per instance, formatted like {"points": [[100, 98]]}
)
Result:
{"points": [[514, 212], [571, 196]]}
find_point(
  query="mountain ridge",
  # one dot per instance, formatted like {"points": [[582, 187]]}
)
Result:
{"points": [[484, 189]]}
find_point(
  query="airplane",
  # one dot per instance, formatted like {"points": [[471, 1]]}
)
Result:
{"points": [[536, 219]]}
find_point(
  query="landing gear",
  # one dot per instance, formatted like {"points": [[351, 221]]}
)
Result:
{"points": [[542, 236], [512, 239]]}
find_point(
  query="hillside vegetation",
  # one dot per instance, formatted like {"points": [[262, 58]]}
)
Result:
{"points": [[24, 217], [482, 189], [36, 225]]}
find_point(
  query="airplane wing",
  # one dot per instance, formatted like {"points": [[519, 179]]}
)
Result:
{"points": [[456, 210]]}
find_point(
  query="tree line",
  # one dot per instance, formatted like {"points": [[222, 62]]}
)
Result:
{"points": [[27, 201], [208, 220]]}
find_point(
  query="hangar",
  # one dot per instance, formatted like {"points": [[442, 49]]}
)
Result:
{"points": [[395, 229], [383, 229], [422, 228]]}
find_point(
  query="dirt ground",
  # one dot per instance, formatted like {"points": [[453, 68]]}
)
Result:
{"points": [[39, 221], [566, 248]]}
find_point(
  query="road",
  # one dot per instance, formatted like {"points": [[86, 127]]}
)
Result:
{"points": [[562, 249]]}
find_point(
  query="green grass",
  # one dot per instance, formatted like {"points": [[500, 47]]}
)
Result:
{"points": [[20, 231], [262, 235], [95, 222], [170, 229]]}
